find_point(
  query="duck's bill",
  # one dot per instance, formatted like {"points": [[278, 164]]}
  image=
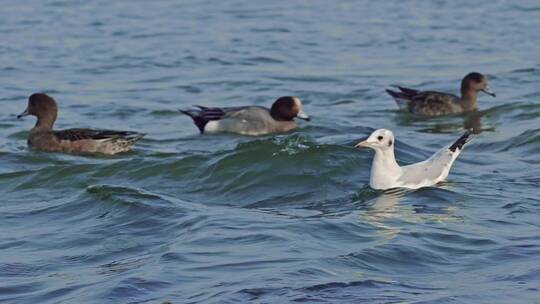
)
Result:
{"points": [[302, 115], [23, 114], [488, 91]]}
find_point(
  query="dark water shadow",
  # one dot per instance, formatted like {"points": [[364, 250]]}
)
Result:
{"points": [[444, 124]]}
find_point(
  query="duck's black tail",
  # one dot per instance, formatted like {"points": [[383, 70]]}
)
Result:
{"points": [[197, 117], [409, 92], [401, 99], [396, 95], [465, 138], [405, 94], [203, 115]]}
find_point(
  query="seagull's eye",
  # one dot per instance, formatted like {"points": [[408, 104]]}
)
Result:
{"points": [[380, 138]]}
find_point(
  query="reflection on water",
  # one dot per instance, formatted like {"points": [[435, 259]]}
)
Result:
{"points": [[473, 121], [384, 208], [393, 207], [446, 124]]}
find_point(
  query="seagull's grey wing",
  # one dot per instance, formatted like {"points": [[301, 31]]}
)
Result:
{"points": [[435, 168], [430, 171]]}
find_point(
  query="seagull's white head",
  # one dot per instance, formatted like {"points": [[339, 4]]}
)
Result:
{"points": [[381, 139]]}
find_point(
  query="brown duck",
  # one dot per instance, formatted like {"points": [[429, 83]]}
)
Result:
{"points": [[433, 103], [80, 141]]}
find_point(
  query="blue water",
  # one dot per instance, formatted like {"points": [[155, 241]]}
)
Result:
{"points": [[229, 219]]}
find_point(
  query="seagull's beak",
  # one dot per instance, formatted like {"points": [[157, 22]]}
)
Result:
{"points": [[302, 115], [488, 91], [23, 114], [362, 144]]}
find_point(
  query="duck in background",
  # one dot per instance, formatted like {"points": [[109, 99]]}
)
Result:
{"points": [[431, 103]]}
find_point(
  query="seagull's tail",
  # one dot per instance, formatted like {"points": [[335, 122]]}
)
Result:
{"points": [[458, 144]]}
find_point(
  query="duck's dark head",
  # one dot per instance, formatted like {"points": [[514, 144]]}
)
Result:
{"points": [[43, 107], [476, 82], [286, 108]]}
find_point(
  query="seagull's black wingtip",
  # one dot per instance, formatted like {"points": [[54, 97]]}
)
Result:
{"points": [[461, 141]]}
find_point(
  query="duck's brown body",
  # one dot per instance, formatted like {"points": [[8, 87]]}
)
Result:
{"points": [[80, 141], [431, 103]]}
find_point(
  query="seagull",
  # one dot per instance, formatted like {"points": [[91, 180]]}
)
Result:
{"points": [[386, 173]]}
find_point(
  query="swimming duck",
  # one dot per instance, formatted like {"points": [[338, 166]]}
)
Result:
{"points": [[433, 103], [386, 173], [43, 137], [249, 120]]}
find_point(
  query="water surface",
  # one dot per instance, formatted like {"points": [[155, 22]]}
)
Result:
{"points": [[230, 219]]}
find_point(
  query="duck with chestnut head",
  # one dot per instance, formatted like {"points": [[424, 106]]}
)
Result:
{"points": [[250, 120]]}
